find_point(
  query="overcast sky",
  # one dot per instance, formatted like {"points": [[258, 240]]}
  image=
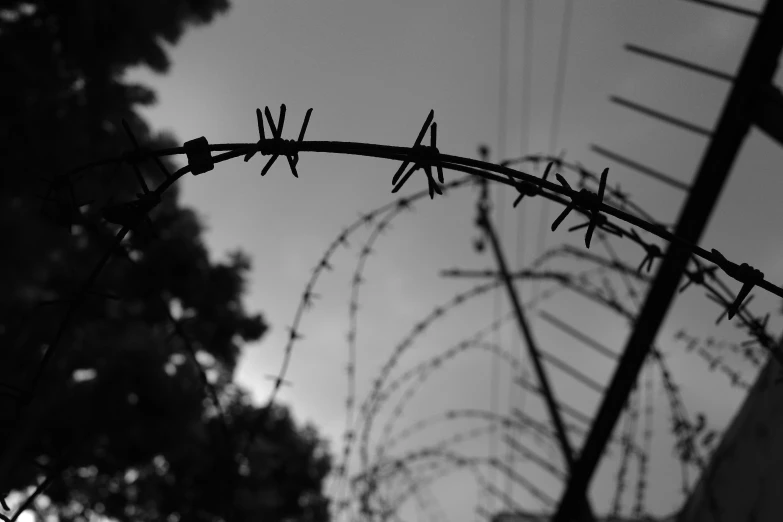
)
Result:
{"points": [[371, 71]]}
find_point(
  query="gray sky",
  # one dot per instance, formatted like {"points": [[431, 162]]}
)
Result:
{"points": [[371, 71]]}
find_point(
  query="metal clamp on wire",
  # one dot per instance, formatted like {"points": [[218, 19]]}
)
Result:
{"points": [[199, 157], [744, 273]]}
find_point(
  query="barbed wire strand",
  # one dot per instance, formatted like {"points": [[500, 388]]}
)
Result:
{"points": [[291, 149]]}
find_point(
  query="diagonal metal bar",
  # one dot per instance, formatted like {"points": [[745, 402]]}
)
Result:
{"points": [[677, 122], [726, 7], [756, 72], [564, 407], [535, 355], [528, 453], [576, 334], [573, 372], [679, 62], [769, 113], [640, 168]]}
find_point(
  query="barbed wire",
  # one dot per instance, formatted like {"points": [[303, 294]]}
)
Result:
{"points": [[353, 305], [640, 487], [680, 424], [437, 361], [681, 427], [459, 460], [628, 270], [714, 362], [134, 216], [423, 367], [630, 433], [447, 442], [459, 347], [644, 455]]}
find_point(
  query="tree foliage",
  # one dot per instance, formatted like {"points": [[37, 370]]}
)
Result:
{"points": [[125, 415]]}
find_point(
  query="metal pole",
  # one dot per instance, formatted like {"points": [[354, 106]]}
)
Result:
{"points": [[485, 224], [756, 72]]}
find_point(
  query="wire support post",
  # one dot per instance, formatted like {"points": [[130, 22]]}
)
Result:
{"points": [[485, 225]]}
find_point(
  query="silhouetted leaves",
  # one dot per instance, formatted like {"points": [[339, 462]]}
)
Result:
{"points": [[127, 414]]}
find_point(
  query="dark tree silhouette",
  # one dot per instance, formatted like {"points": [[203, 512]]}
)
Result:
{"points": [[126, 416]]}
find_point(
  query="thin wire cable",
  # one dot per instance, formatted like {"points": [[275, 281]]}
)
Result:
{"points": [[557, 107], [497, 307], [520, 223]]}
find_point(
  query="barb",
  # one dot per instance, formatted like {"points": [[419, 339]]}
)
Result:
{"points": [[590, 202], [652, 252], [744, 273], [276, 145], [422, 157], [526, 188]]}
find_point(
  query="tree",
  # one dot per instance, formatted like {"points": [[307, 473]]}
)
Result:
{"points": [[127, 417]]}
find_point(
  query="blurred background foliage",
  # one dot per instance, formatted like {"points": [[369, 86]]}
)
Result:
{"points": [[126, 427]]}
